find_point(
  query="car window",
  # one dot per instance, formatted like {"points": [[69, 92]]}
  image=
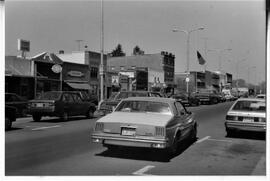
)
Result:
{"points": [[77, 98], [180, 108], [67, 98], [252, 106], [144, 106], [50, 96]]}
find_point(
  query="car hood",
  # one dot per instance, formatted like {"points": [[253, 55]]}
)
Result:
{"points": [[137, 118]]}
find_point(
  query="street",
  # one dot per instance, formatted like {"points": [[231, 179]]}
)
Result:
{"points": [[52, 147]]}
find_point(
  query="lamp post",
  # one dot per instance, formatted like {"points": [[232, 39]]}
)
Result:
{"points": [[187, 32], [101, 54], [255, 77]]}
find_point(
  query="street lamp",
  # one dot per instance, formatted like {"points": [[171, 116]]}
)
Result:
{"points": [[101, 54], [187, 32], [219, 56], [255, 77]]}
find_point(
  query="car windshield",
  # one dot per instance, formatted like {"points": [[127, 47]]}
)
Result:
{"points": [[50, 96], [144, 106], [251, 106]]}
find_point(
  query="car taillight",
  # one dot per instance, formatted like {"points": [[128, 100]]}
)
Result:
{"points": [[99, 127], [231, 118], [160, 131]]}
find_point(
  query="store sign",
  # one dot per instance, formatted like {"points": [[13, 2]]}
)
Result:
{"points": [[129, 74], [74, 73], [56, 68], [23, 45]]}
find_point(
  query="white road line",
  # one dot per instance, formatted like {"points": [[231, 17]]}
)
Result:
{"points": [[260, 168], [48, 127], [143, 170], [211, 139], [203, 139]]}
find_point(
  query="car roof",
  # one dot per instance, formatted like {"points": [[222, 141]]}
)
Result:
{"points": [[137, 91], [251, 99], [154, 99]]}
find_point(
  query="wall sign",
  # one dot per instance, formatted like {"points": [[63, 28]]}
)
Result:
{"points": [[74, 73], [56, 68]]}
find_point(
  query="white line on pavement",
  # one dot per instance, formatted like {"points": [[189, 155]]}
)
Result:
{"points": [[48, 127], [143, 170], [211, 139], [203, 139]]}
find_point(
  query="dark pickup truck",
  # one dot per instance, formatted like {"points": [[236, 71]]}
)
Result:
{"points": [[207, 96]]}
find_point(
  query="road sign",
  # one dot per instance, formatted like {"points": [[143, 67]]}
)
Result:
{"points": [[187, 79]]}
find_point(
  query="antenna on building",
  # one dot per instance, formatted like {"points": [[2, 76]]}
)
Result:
{"points": [[79, 44]]}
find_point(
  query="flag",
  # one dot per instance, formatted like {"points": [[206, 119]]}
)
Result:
{"points": [[200, 58]]}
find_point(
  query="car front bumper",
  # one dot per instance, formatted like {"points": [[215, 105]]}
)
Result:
{"points": [[245, 126], [129, 141]]}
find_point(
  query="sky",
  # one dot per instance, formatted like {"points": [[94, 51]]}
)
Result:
{"points": [[239, 26]]}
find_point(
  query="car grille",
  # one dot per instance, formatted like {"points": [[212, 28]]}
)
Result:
{"points": [[160, 131], [99, 127]]}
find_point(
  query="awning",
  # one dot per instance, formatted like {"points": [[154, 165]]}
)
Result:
{"points": [[83, 86]]}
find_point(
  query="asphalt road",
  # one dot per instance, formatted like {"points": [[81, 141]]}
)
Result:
{"points": [[52, 148]]}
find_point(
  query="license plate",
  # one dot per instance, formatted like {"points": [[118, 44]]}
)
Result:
{"points": [[39, 105], [248, 120], [128, 131]]}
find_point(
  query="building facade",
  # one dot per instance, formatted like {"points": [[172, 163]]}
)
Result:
{"points": [[159, 69], [19, 76]]}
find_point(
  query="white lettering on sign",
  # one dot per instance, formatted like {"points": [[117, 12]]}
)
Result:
{"points": [[74, 73]]}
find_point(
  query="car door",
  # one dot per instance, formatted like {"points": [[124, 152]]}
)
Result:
{"points": [[68, 103], [80, 106], [185, 119]]}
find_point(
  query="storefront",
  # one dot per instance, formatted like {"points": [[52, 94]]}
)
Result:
{"points": [[76, 77], [47, 77], [19, 77]]}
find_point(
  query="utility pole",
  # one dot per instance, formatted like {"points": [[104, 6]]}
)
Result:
{"points": [[101, 55]]}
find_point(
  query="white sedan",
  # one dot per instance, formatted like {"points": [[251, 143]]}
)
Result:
{"points": [[246, 114]]}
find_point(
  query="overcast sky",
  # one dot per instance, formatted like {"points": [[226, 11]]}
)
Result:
{"points": [[56, 25]]}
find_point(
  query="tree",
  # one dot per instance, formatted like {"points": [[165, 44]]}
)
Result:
{"points": [[137, 51], [118, 52]]}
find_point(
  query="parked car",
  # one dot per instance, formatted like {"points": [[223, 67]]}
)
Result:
{"points": [[246, 114], [61, 104], [261, 96], [207, 96], [221, 97], [106, 106], [89, 97], [187, 99], [149, 122], [14, 100], [10, 116]]}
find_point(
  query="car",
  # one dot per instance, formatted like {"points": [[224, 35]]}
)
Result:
{"points": [[14, 100], [10, 116], [187, 99], [261, 96], [106, 106], [146, 122], [89, 97], [207, 96], [246, 114], [62, 104]]}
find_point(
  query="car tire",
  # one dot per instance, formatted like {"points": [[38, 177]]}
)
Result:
{"points": [[8, 123], [193, 135], [64, 116], [230, 133], [36, 117], [172, 150], [112, 147], [90, 113]]}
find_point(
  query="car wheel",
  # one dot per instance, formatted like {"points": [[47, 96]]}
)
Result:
{"points": [[36, 117], [112, 147], [8, 123], [193, 135], [64, 116], [90, 113]]}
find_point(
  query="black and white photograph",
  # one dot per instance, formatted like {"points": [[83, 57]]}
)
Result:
{"points": [[132, 88]]}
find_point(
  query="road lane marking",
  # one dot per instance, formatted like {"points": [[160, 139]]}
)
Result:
{"points": [[211, 139], [203, 139], [143, 170], [260, 168], [45, 127]]}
